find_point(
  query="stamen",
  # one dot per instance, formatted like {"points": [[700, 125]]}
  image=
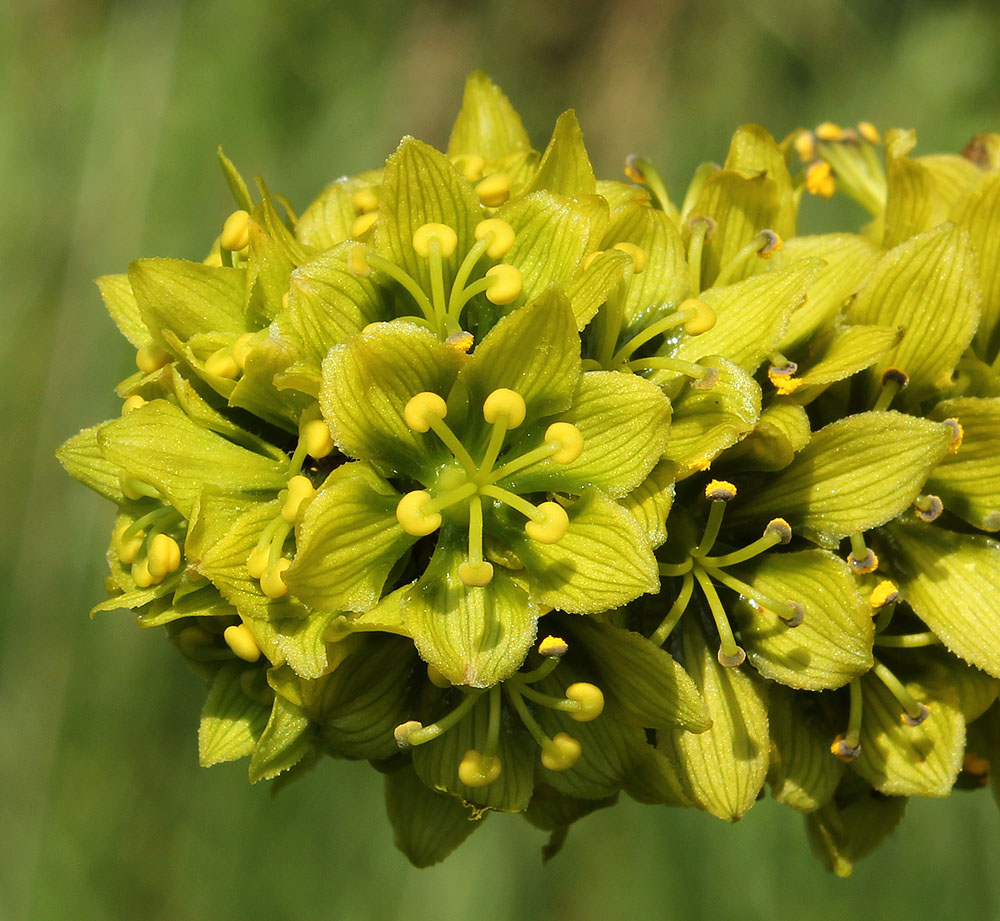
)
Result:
{"points": [[242, 346], [869, 132], [558, 753], [235, 234], [365, 200], [135, 489], [505, 284], [498, 234], [819, 179], [928, 508], [361, 258], [550, 526], [412, 517], [299, 489], [659, 636], [563, 445], [805, 146], [828, 131], [271, 583], [494, 190], [414, 733], [693, 314], [914, 712], [240, 640], [861, 559], [362, 224], [702, 378], [553, 647], [764, 244], [478, 770], [140, 573], [132, 403], [730, 655], [470, 166], [957, 433], [436, 678], [791, 613], [776, 532], [637, 254], [425, 236], [908, 640], [222, 364], [583, 701], [151, 357], [847, 747], [884, 593], [702, 229], [641, 171], [258, 560], [675, 570], [476, 572], [128, 543], [423, 407], [893, 381], [163, 556], [316, 439], [719, 492], [461, 341], [506, 407], [589, 259]]}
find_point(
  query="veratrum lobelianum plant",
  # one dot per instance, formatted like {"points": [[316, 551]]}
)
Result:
{"points": [[532, 488]]}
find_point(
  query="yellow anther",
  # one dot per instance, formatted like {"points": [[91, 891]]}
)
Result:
{"points": [[780, 529], [772, 243], [869, 132], [470, 166], [884, 593], [436, 678], [362, 224], [494, 190], [163, 556], [475, 575], [192, 639], [271, 583], [213, 259], [553, 647], [478, 770], [128, 487], [236, 231], [423, 407], [446, 238], [221, 363], [151, 358], [957, 434], [589, 697], [141, 574], [316, 437], [843, 751], [637, 253], [783, 381], [132, 403], [357, 261], [828, 131], [411, 516], [242, 346], [461, 341], [503, 236], [868, 563], [552, 527], [563, 752], [505, 403], [257, 561], [299, 489], [506, 284], [805, 146], [127, 548], [365, 200], [703, 318], [570, 441], [403, 732], [721, 490], [975, 764], [819, 180], [240, 640], [589, 259]]}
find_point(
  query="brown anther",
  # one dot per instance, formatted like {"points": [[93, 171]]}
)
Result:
{"points": [[957, 433], [720, 490], [632, 169], [928, 508], [798, 614], [707, 221], [772, 244], [895, 376], [780, 528], [733, 661], [868, 563], [919, 718], [843, 751]]}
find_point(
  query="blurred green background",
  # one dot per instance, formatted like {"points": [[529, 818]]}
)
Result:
{"points": [[110, 114]]}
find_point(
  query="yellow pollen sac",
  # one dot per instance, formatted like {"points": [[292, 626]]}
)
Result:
{"points": [[819, 180], [357, 261], [562, 754], [843, 751], [411, 516], [553, 647], [506, 284], [446, 237], [589, 697], [703, 319], [163, 556], [128, 550], [132, 403], [828, 131], [475, 575], [141, 575], [423, 407], [271, 583], [240, 640], [721, 490], [365, 200], [403, 732], [805, 146], [884, 593], [478, 770], [241, 349], [503, 236], [236, 231], [129, 488], [552, 528], [257, 561], [780, 528], [505, 403], [957, 434], [470, 166], [494, 190], [222, 364], [461, 341], [570, 441], [783, 380], [637, 253], [589, 259], [151, 358], [869, 132], [299, 489], [316, 437], [362, 224], [436, 678]]}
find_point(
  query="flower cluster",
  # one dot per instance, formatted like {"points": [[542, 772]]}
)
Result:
{"points": [[421, 476]]}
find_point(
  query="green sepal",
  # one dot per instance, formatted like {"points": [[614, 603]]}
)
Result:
{"points": [[650, 502], [706, 422], [231, 722], [952, 582], [274, 254], [780, 433], [120, 303], [752, 151], [236, 183], [802, 773], [487, 124], [366, 385], [832, 645], [428, 826], [161, 446], [929, 286], [188, 298], [855, 474], [436, 762], [723, 768], [347, 541], [82, 458], [283, 743], [134, 598], [984, 740], [299, 642], [656, 780], [968, 481], [565, 167], [590, 287], [268, 358], [550, 810], [189, 599], [973, 690], [327, 221], [473, 636]]}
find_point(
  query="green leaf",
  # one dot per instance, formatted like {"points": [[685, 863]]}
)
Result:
{"points": [[927, 285], [428, 826], [487, 123], [347, 541], [82, 458], [650, 502], [603, 561], [327, 221], [832, 644], [120, 303], [159, 445], [284, 742], [952, 582], [855, 474], [968, 481], [188, 298], [367, 383], [781, 432], [473, 636], [724, 767], [565, 167], [706, 422], [801, 773], [231, 722]]}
